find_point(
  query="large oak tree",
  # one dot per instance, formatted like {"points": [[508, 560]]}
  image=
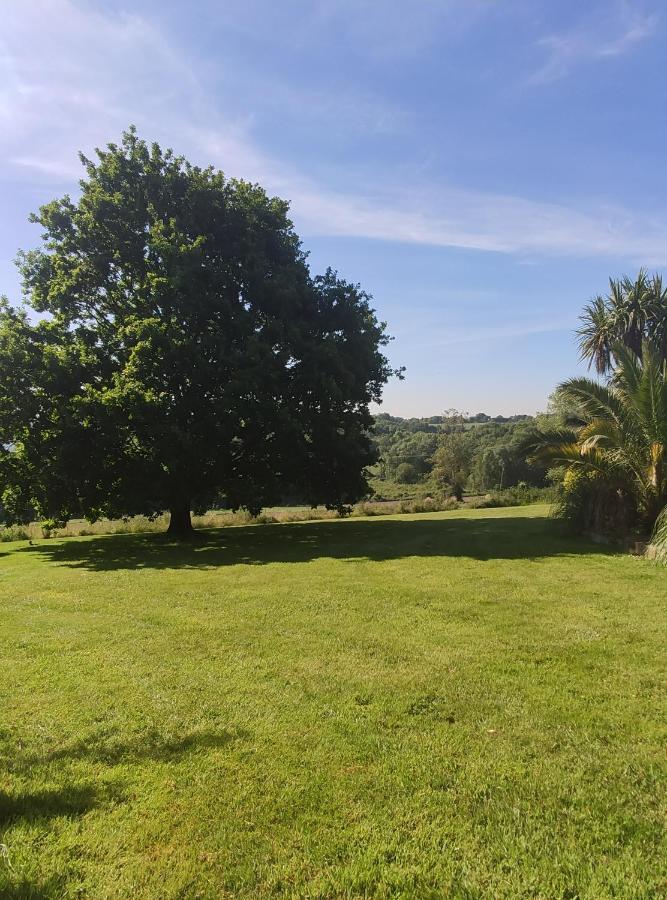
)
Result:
{"points": [[187, 353]]}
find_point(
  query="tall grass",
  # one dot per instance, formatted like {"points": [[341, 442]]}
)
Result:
{"points": [[15, 533], [519, 495], [269, 516]]}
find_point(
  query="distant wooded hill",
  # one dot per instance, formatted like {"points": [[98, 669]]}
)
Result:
{"points": [[468, 453]]}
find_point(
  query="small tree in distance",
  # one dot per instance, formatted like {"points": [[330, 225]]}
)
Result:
{"points": [[406, 473], [452, 461], [187, 352]]}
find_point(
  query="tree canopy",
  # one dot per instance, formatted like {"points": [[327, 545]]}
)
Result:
{"points": [[452, 461], [186, 353]]}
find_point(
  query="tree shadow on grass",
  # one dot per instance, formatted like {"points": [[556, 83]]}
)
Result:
{"points": [[18, 887], [146, 746], [40, 807], [483, 538], [109, 749], [70, 801]]}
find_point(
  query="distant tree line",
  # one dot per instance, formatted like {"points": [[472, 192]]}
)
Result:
{"points": [[456, 452]]}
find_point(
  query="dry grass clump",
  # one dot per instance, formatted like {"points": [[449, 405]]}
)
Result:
{"points": [[223, 518], [142, 524], [15, 533]]}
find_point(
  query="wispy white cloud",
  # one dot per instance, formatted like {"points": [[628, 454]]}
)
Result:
{"points": [[480, 221], [81, 76], [617, 35], [72, 76]]}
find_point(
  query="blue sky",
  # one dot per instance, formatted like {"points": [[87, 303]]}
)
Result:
{"points": [[480, 166]]}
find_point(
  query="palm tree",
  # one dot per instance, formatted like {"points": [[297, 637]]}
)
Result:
{"points": [[596, 334], [631, 312], [622, 437], [657, 321]]}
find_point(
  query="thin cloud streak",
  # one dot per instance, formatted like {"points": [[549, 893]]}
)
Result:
{"points": [[567, 51], [487, 222]]}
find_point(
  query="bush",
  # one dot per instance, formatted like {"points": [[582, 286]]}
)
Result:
{"points": [[590, 502], [488, 502], [421, 505], [407, 474], [368, 508], [521, 495], [525, 493], [13, 533]]}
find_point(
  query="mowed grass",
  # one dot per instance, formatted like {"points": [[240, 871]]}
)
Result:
{"points": [[465, 704]]}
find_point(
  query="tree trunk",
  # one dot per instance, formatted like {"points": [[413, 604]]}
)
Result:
{"points": [[180, 523]]}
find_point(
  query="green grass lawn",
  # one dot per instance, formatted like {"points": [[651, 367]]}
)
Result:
{"points": [[465, 704]]}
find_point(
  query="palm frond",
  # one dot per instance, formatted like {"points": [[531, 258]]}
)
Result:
{"points": [[659, 537], [537, 441], [561, 448], [595, 400], [651, 395], [627, 370], [556, 454], [598, 432]]}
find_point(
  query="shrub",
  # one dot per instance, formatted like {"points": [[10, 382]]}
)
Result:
{"points": [[487, 502], [13, 534], [407, 474], [374, 509], [521, 495], [590, 502], [524, 493], [425, 505]]}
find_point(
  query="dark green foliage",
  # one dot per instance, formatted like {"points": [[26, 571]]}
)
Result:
{"points": [[492, 455], [503, 465], [399, 447], [406, 473], [610, 439], [188, 354]]}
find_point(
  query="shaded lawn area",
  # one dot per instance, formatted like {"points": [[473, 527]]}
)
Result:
{"points": [[466, 704]]}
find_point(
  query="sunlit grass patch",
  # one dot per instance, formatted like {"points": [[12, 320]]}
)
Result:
{"points": [[466, 704]]}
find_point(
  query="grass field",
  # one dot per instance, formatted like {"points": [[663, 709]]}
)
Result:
{"points": [[466, 704]]}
